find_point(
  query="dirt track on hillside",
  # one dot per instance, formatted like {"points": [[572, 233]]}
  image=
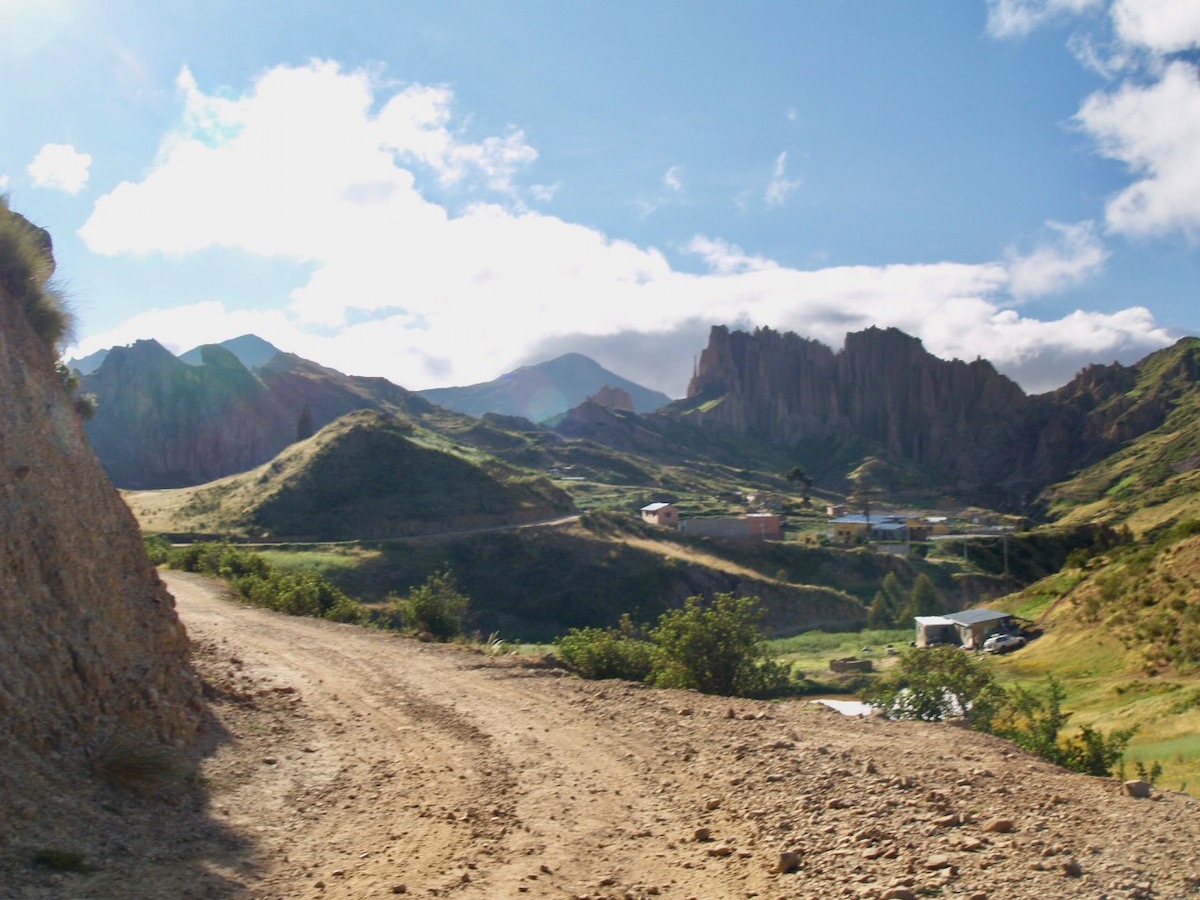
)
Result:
{"points": [[357, 764]]}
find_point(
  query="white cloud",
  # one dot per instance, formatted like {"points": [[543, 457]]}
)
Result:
{"points": [[1072, 254], [323, 165], [4, 180], [673, 179], [1161, 26], [1017, 18], [780, 186], [1155, 131], [544, 193], [61, 167], [724, 258]]}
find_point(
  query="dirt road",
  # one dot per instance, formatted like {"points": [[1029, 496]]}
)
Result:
{"points": [[356, 764]]}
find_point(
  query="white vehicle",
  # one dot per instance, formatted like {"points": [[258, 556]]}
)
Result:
{"points": [[1002, 643]]}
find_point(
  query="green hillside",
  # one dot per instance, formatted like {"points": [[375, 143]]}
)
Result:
{"points": [[367, 475], [1153, 481], [1122, 633]]}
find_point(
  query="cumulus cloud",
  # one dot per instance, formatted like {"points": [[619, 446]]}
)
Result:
{"points": [[1161, 26], [1151, 120], [328, 166], [780, 186], [1155, 131], [1071, 254], [61, 167]]}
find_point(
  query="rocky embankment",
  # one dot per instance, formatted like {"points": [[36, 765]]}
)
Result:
{"points": [[92, 653]]}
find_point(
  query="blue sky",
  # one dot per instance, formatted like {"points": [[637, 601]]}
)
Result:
{"points": [[439, 192]]}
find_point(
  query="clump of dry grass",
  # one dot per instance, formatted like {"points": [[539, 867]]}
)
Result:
{"points": [[26, 270], [138, 764]]}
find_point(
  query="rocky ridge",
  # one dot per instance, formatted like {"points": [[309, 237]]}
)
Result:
{"points": [[164, 423], [964, 426]]}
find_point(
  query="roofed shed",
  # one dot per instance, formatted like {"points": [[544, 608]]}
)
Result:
{"points": [[968, 628]]}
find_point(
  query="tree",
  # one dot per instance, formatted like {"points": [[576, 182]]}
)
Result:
{"points": [[867, 484], [716, 648], [796, 475], [924, 596], [880, 614], [935, 684]]}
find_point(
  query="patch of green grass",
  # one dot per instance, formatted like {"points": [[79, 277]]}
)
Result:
{"points": [[323, 561], [811, 651]]}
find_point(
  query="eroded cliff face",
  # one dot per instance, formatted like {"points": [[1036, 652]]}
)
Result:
{"points": [[953, 418], [90, 644], [970, 429]]}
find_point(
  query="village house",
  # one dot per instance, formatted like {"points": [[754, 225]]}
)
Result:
{"points": [[663, 514], [890, 528], [968, 628]]}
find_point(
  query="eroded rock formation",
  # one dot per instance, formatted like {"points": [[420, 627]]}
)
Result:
{"points": [[964, 426]]}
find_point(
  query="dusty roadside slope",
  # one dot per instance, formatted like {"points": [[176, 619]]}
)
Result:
{"points": [[91, 649], [365, 765]]}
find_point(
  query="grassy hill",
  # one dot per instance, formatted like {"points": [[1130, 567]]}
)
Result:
{"points": [[1153, 481], [1122, 633], [367, 475]]}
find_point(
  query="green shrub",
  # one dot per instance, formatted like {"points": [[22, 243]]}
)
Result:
{"points": [[1094, 753], [607, 652], [935, 684], [158, 548], [944, 682], [261, 584], [436, 608], [1036, 722], [716, 647]]}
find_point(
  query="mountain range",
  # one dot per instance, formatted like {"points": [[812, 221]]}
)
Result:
{"points": [[762, 400], [168, 421]]}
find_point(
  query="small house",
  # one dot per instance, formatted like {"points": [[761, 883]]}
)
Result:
{"points": [[854, 529], [664, 514], [968, 628]]}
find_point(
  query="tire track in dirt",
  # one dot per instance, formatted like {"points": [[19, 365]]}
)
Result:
{"points": [[442, 772], [414, 765]]}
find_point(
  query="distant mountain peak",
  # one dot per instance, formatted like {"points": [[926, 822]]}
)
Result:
{"points": [[541, 391], [252, 350]]}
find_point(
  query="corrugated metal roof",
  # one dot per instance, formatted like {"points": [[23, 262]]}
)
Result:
{"points": [[655, 507], [975, 616]]}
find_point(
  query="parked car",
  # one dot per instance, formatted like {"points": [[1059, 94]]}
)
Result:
{"points": [[1002, 643]]}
